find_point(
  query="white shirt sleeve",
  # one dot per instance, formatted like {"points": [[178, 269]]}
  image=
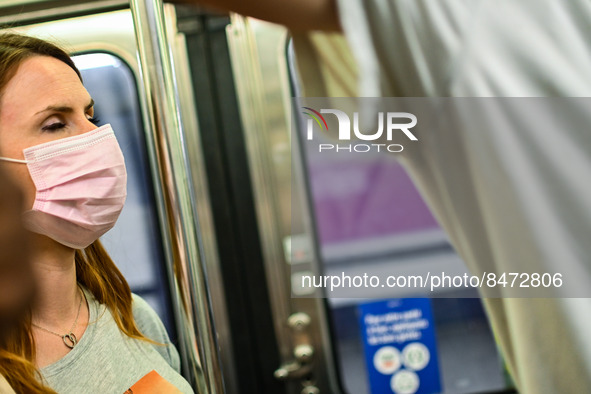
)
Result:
{"points": [[405, 47], [471, 48], [511, 199]]}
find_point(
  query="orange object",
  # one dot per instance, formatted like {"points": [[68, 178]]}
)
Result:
{"points": [[153, 383]]}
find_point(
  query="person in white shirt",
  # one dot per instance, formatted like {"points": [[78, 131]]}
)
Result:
{"points": [[514, 198]]}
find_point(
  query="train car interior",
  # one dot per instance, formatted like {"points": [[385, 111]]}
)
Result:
{"points": [[226, 211]]}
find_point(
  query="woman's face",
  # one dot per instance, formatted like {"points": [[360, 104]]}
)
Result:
{"points": [[44, 101]]}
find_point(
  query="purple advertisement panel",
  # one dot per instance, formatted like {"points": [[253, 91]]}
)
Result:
{"points": [[359, 196]]}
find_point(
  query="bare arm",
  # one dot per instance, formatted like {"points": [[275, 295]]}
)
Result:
{"points": [[298, 15]]}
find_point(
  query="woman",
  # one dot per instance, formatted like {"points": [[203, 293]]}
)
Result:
{"points": [[85, 332]]}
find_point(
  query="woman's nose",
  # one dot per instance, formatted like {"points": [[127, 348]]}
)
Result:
{"points": [[86, 126]]}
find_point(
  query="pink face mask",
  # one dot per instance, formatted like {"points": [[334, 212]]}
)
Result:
{"points": [[81, 186]]}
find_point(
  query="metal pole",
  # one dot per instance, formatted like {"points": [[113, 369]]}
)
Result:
{"points": [[190, 296]]}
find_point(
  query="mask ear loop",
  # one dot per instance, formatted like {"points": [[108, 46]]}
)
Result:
{"points": [[14, 160]]}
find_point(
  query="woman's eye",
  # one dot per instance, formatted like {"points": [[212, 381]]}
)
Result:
{"points": [[94, 120], [54, 126]]}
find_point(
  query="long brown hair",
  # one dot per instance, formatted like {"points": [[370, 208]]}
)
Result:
{"points": [[94, 268]]}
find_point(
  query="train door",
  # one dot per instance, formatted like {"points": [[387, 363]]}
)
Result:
{"points": [[348, 216]]}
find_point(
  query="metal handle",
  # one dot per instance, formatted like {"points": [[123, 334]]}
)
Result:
{"points": [[191, 297], [293, 370], [303, 352]]}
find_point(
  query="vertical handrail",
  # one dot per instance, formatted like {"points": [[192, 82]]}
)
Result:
{"points": [[190, 295]]}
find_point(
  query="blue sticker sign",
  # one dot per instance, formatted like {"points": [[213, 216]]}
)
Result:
{"points": [[400, 346]]}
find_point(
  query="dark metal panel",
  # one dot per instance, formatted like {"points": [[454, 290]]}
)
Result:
{"points": [[232, 202]]}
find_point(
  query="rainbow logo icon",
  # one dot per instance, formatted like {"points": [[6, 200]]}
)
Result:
{"points": [[316, 116]]}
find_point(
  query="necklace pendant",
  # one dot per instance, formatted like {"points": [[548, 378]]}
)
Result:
{"points": [[70, 340]]}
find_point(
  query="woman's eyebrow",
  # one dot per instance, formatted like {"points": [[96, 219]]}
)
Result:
{"points": [[65, 109]]}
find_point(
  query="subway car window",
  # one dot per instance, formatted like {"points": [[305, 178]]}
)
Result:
{"points": [[134, 243], [370, 218]]}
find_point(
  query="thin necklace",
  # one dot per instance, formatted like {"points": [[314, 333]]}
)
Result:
{"points": [[69, 339]]}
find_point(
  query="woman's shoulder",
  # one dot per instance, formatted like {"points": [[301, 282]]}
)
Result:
{"points": [[148, 320], [150, 325]]}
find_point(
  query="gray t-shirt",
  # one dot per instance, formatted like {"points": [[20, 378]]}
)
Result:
{"points": [[107, 361]]}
